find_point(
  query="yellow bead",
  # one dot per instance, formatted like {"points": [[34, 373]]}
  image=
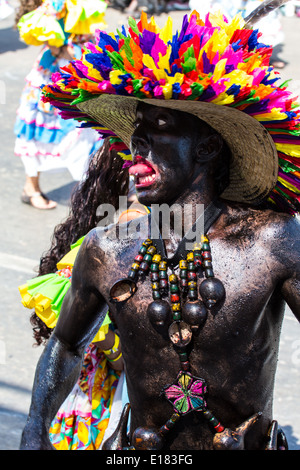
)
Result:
{"points": [[162, 265], [173, 278], [135, 266], [151, 250], [182, 264], [204, 239], [197, 246], [190, 256], [176, 307], [156, 259]]}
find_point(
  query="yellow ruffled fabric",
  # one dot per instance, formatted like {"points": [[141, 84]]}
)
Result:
{"points": [[40, 304], [37, 28], [45, 294], [68, 259], [102, 332], [80, 17], [84, 17]]}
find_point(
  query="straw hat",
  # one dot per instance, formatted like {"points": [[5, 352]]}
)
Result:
{"points": [[213, 69], [254, 162]]}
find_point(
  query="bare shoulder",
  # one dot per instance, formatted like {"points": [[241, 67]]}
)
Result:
{"points": [[278, 232], [261, 221], [105, 242], [99, 242], [95, 256]]}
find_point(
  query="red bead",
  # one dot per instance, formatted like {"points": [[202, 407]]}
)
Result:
{"points": [[154, 276], [144, 266], [175, 298], [163, 283], [219, 428], [139, 258], [185, 365], [206, 255], [191, 276], [183, 283], [164, 430]]}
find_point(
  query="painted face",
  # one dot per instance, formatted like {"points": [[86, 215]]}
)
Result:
{"points": [[163, 148]]}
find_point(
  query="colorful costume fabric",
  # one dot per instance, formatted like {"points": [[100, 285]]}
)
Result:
{"points": [[270, 26], [44, 141], [45, 294], [82, 419]]}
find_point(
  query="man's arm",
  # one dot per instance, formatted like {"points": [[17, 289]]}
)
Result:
{"points": [[291, 294], [82, 313], [290, 255]]}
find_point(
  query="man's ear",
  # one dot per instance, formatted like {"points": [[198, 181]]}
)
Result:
{"points": [[209, 148]]}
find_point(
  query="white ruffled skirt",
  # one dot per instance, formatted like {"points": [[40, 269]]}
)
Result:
{"points": [[44, 141]]}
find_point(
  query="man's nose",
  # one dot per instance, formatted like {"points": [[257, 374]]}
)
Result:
{"points": [[139, 144]]}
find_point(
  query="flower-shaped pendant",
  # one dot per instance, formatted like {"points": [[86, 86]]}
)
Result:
{"points": [[186, 394]]}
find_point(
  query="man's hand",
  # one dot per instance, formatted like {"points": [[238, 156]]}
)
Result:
{"points": [[34, 437]]}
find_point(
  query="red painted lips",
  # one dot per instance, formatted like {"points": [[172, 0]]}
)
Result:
{"points": [[143, 172]]}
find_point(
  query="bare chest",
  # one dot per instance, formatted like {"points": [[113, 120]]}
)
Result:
{"points": [[248, 272]]}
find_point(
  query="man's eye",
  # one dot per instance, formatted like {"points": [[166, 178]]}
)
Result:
{"points": [[161, 122], [136, 124]]}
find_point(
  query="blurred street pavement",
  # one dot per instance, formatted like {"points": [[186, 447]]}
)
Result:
{"points": [[26, 233]]}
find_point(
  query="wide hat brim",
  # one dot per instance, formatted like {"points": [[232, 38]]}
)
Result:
{"points": [[254, 161]]}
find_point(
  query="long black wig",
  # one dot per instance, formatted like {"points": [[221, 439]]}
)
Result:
{"points": [[103, 183]]}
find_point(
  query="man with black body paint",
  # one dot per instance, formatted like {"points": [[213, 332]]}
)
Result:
{"points": [[255, 255]]}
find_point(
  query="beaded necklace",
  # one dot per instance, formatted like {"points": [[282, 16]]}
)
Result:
{"points": [[187, 313]]}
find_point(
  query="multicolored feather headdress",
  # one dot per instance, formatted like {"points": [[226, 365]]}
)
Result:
{"points": [[214, 69]]}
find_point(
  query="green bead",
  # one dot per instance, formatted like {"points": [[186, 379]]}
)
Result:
{"points": [[154, 267], [183, 356], [214, 421], [192, 294], [163, 275], [191, 266], [183, 274], [147, 258], [209, 272], [174, 288], [176, 316], [143, 250], [207, 264], [132, 274], [156, 295], [205, 247]]}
